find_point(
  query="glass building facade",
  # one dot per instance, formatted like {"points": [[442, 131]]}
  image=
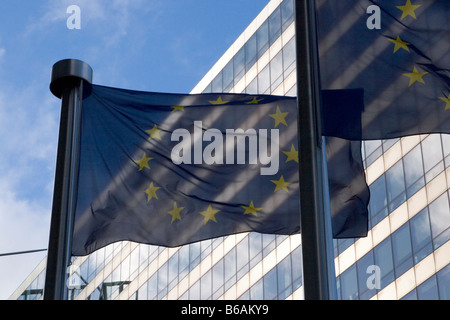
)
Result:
{"points": [[406, 254]]}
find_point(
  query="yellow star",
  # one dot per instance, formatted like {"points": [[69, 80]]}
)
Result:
{"points": [[177, 108], [408, 9], [281, 184], [175, 213], [154, 133], [447, 101], [143, 163], [279, 117], [151, 192], [399, 44], [415, 76], [292, 155], [218, 101], [209, 214], [251, 209], [254, 101]]}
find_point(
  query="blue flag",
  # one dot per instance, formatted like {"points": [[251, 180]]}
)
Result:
{"points": [[171, 169], [394, 55]]}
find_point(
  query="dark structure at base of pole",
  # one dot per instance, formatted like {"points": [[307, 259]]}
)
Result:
{"points": [[68, 79]]}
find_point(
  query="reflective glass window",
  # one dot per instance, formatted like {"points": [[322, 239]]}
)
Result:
{"points": [[218, 279], [183, 260], [255, 246], [142, 292], [414, 175], [205, 248], [383, 259], [194, 291], [208, 89], [349, 284], [446, 148], [432, 156], [264, 81], [378, 200], [364, 272], [443, 278], [230, 268], [440, 219], [373, 151], [242, 257], [410, 296], [125, 269], [173, 270], [239, 64], [289, 57], [270, 284], [284, 278], [245, 296], [268, 243], [275, 25], [343, 244], [143, 256], [421, 235], [134, 263], [388, 143], [228, 77], [206, 286], [217, 83], [194, 254], [402, 249], [252, 87], [276, 70], [395, 183], [262, 39], [287, 13], [296, 257], [292, 92], [83, 270], [250, 52], [90, 272], [428, 290], [163, 273], [256, 291], [152, 287]]}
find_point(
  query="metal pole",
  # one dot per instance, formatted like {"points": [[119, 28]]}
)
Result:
{"points": [[315, 225], [68, 78]]}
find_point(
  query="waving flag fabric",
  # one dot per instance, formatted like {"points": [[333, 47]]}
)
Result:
{"points": [[171, 169], [395, 55]]}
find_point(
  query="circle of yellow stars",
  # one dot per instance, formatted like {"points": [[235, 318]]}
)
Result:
{"points": [[209, 214], [409, 11]]}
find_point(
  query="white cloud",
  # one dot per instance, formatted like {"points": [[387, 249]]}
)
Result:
{"points": [[2, 50], [24, 223], [24, 226], [28, 135], [107, 19], [28, 127]]}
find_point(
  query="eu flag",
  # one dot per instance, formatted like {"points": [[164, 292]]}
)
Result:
{"points": [[171, 169], [394, 54]]}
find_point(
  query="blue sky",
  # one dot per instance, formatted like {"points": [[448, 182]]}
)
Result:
{"points": [[151, 45]]}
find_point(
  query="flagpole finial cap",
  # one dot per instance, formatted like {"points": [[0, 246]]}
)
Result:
{"points": [[67, 73]]}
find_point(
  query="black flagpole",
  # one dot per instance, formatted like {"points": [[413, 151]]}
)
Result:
{"points": [[318, 270], [68, 78]]}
